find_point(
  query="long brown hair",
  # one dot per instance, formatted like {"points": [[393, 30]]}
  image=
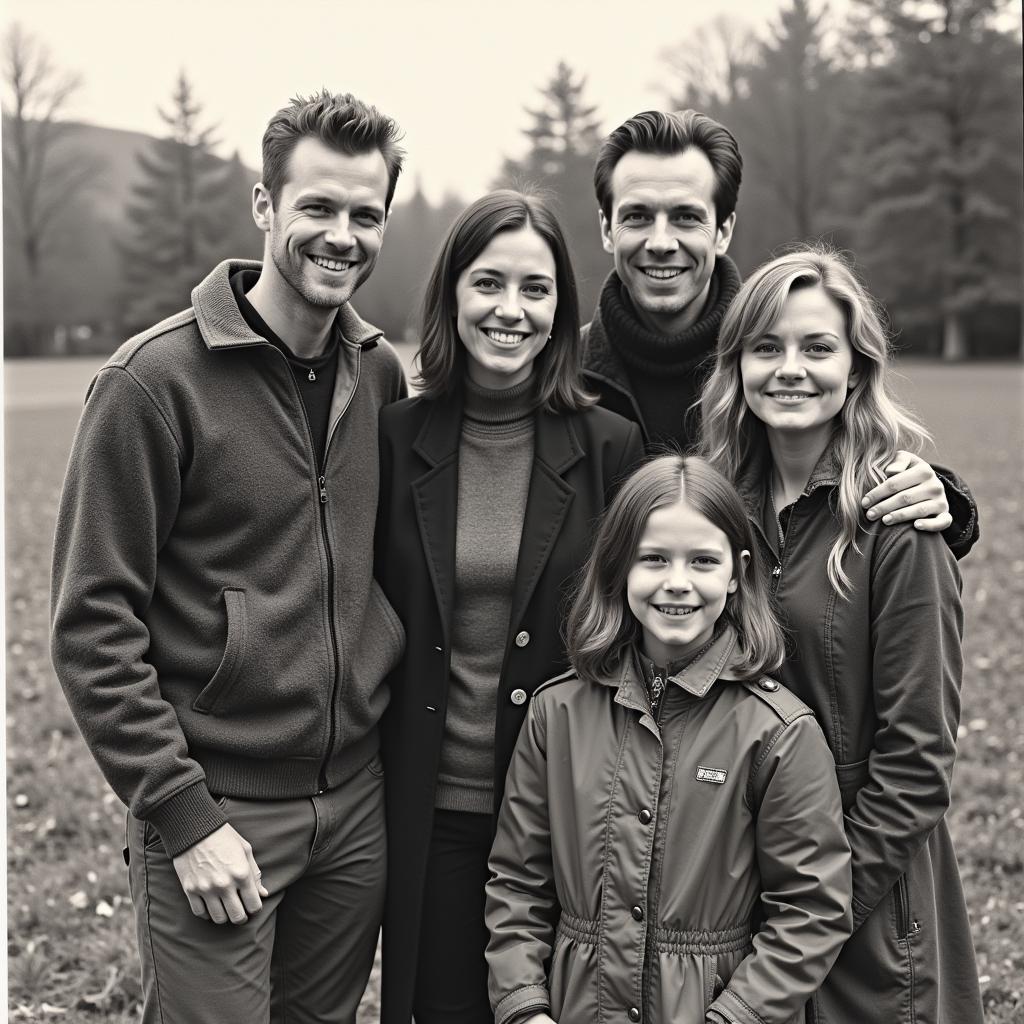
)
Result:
{"points": [[601, 628], [442, 355]]}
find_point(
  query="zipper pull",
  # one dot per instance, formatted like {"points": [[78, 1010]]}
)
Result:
{"points": [[323, 490], [312, 375]]}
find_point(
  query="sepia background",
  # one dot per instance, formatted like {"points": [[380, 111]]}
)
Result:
{"points": [[891, 128]]}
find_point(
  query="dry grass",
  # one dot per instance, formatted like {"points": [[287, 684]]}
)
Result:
{"points": [[71, 936]]}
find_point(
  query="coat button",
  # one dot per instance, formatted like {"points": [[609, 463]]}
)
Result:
{"points": [[522, 638], [518, 696], [768, 684], [638, 913], [634, 1014], [645, 816]]}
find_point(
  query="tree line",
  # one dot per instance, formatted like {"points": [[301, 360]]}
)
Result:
{"points": [[895, 134]]}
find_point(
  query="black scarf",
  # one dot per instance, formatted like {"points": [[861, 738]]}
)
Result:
{"points": [[666, 372]]}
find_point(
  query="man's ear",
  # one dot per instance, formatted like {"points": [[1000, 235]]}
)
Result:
{"points": [[739, 571], [724, 234], [262, 206], [606, 233]]}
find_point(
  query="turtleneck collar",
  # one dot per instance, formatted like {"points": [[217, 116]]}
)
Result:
{"points": [[672, 355], [502, 406]]}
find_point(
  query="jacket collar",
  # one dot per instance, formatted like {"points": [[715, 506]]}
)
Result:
{"points": [[752, 485], [697, 677], [222, 326], [555, 442]]}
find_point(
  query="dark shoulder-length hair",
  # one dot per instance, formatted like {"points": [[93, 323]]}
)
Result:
{"points": [[601, 628], [442, 355]]}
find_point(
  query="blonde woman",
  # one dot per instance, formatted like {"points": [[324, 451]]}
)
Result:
{"points": [[799, 413]]}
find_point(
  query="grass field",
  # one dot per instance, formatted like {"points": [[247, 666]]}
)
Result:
{"points": [[71, 937]]}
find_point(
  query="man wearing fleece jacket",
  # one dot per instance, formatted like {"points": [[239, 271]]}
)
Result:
{"points": [[216, 627]]}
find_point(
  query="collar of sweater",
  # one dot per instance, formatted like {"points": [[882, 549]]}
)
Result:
{"points": [[500, 407], [666, 354]]}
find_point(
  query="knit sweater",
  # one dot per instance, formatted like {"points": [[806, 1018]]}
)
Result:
{"points": [[663, 373], [495, 459]]}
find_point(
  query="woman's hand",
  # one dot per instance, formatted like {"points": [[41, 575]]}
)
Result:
{"points": [[911, 492]]}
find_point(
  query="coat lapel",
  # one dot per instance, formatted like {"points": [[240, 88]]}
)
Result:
{"points": [[556, 449], [435, 496]]}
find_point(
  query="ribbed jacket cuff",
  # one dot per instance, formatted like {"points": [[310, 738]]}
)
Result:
{"points": [[187, 817], [734, 1009], [529, 997]]}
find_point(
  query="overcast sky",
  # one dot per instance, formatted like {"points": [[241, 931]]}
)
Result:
{"points": [[455, 74]]}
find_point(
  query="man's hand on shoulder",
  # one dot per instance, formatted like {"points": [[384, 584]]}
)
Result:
{"points": [[220, 877], [911, 491]]}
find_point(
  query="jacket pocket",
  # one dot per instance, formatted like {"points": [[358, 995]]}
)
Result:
{"points": [[713, 984], [901, 907], [219, 686], [851, 778]]}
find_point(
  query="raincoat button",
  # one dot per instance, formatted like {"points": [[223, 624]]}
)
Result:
{"points": [[522, 638], [638, 913], [518, 697], [645, 816], [768, 684], [634, 1014]]}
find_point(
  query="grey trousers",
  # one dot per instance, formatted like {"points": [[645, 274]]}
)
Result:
{"points": [[307, 954]]}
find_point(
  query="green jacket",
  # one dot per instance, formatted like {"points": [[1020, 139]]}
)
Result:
{"points": [[633, 854], [881, 670], [216, 627]]}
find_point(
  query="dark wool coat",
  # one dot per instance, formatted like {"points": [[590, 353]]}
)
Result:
{"points": [[881, 670], [578, 458]]}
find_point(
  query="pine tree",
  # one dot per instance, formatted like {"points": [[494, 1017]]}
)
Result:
{"points": [[934, 174], [177, 214], [789, 124], [564, 137]]}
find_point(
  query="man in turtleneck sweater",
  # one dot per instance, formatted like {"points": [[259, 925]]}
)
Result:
{"points": [[667, 186]]}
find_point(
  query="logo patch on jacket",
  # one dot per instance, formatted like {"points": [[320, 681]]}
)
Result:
{"points": [[711, 774]]}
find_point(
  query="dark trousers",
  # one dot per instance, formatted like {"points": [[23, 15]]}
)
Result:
{"points": [[306, 955], [451, 973]]}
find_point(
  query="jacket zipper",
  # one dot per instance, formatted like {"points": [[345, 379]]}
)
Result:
{"points": [[335, 640], [902, 901], [322, 489]]}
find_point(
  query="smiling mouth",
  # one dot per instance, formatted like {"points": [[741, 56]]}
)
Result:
{"points": [[674, 610], [790, 397], [336, 266], [508, 338], [661, 273]]}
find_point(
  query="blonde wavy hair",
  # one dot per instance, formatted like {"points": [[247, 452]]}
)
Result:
{"points": [[872, 425]]}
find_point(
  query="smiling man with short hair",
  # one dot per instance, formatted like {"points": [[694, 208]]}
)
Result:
{"points": [[216, 627]]}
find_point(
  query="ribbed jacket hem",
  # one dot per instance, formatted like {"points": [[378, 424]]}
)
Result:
{"points": [[192, 814], [448, 797]]}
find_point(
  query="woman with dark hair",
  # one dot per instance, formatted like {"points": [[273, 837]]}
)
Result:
{"points": [[491, 480]]}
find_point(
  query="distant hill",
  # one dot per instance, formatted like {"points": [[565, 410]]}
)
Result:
{"points": [[83, 267], [82, 264]]}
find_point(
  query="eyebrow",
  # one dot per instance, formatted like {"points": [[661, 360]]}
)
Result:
{"points": [[501, 273], [641, 204], [809, 335]]}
